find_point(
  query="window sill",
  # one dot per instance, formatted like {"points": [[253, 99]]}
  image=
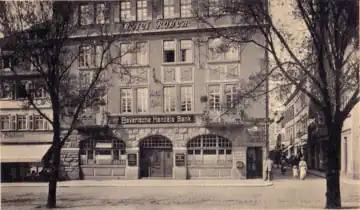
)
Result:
{"points": [[224, 61], [103, 165], [178, 63]]}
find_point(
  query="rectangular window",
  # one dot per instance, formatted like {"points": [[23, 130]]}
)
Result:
{"points": [[126, 53], [85, 57], [169, 99], [186, 94], [230, 91], [85, 14], [5, 62], [7, 89], [220, 50], [39, 123], [185, 8], [169, 9], [214, 97], [141, 10], [126, 100], [99, 56], [169, 51], [214, 7], [21, 90], [125, 11], [142, 100], [21, 122], [186, 51], [232, 53], [5, 122], [141, 54], [101, 13]]}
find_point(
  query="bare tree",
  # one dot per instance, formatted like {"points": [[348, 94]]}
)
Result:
{"points": [[320, 59], [44, 44]]}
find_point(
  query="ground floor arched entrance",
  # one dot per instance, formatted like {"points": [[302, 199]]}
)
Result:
{"points": [[156, 157]]}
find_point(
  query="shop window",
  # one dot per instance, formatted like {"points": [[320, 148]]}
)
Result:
{"points": [[102, 152], [209, 149]]}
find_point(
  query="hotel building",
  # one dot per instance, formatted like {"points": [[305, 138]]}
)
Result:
{"points": [[152, 124]]}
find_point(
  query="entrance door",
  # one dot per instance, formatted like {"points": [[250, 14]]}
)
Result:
{"points": [[161, 163], [254, 162], [156, 157]]}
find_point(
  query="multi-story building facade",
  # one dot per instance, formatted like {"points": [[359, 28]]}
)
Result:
{"points": [[153, 123], [25, 134]]}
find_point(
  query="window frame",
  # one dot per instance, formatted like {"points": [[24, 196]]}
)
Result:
{"points": [[81, 13], [3, 119], [121, 11], [205, 145], [21, 119], [174, 50], [171, 4], [142, 8], [105, 11], [145, 97], [191, 50], [89, 152], [167, 99], [183, 5], [191, 99], [128, 98]]}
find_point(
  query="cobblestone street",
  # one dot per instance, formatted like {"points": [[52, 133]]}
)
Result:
{"points": [[285, 193]]}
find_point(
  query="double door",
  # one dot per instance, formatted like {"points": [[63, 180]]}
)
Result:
{"points": [[254, 162], [156, 163]]}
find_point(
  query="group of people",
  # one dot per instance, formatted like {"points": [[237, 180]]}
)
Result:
{"points": [[298, 164]]}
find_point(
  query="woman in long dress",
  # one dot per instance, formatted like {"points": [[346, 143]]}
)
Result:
{"points": [[302, 168]]}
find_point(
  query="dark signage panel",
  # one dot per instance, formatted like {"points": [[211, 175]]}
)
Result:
{"points": [[180, 159], [132, 160], [156, 119]]}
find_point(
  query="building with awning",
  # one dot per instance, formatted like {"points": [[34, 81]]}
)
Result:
{"points": [[23, 153]]}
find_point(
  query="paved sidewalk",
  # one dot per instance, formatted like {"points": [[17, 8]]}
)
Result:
{"points": [[149, 183], [342, 178]]}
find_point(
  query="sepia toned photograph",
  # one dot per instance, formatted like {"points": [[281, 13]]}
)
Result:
{"points": [[179, 104]]}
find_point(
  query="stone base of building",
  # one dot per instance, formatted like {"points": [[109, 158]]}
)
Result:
{"points": [[233, 154]]}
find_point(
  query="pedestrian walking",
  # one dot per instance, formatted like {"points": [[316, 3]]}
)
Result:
{"points": [[302, 168], [269, 165], [295, 171], [283, 167]]}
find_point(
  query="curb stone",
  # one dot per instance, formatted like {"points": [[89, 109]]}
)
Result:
{"points": [[139, 184]]}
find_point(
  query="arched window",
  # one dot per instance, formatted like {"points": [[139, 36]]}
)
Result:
{"points": [[102, 152], [209, 149]]}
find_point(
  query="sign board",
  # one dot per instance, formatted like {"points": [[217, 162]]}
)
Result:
{"points": [[132, 160], [179, 159], [156, 119], [158, 25]]}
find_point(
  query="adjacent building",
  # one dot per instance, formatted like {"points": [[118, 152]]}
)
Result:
{"points": [[152, 125]]}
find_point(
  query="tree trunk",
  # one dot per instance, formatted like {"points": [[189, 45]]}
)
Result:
{"points": [[333, 195], [55, 165]]}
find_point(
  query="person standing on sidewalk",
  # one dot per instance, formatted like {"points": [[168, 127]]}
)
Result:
{"points": [[302, 168], [269, 164]]}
